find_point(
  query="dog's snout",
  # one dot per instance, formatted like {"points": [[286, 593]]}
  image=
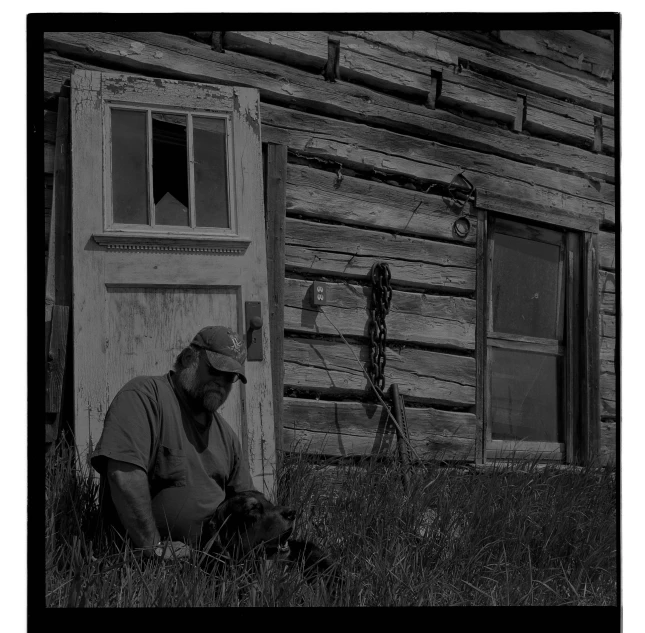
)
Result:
{"points": [[289, 514]]}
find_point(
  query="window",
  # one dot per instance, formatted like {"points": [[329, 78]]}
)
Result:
{"points": [[538, 349], [169, 170]]}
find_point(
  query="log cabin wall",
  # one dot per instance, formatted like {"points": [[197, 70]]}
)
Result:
{"points": [[528, 116]]}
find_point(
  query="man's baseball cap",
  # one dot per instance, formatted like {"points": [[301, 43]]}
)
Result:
{"points": [[225, 349]]}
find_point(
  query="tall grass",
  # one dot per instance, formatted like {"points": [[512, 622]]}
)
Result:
{"points": [[512, 535]]}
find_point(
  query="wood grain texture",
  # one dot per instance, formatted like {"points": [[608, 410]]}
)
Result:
{"points": [[568, 122], [276, 176], [607, 250], [316, 194], [312, 247], [413, 318], [89, 313], [591, 353], [58, 289], [366, 149], [378, 66], [544, 451], [440, 161], [423, 376], [57, 359], [576, 49], [184, 58], [352, 428], [480, 334], [497, 60], [607, 291]]}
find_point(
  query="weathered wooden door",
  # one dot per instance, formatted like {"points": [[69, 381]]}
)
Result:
{"points": [[168, 237]]}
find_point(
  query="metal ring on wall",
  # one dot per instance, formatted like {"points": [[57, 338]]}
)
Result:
{"points": [[461, 226]]}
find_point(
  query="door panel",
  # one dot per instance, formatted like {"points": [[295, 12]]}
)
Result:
{"points": [[148, 328], [141, 292]]}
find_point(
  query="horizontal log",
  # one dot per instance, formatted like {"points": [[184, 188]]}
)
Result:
{"points": [[606, 250], [365, 63], [567, 121], [607, 292], [404, 273], [607, 325], [523, 70], [351, 428], [58, 70], [435, 161], [607, 349], [423, 376], [181, 58], [576, 49], [607, 395], [366, 149], [413, 318], [312, 247], [316, 194]]}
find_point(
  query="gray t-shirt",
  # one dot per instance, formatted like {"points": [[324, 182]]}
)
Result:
{"points": [[191, 467]]}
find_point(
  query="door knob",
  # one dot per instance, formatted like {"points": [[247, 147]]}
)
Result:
{"points": [[255, 323]]}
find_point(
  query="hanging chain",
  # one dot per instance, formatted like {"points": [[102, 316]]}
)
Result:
{"points": [[379, 308]]}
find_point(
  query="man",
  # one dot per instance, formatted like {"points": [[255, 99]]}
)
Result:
{"points": [[169, 459]]}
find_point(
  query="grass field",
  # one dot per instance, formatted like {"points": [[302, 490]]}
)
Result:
{"points": [[518, 535]]}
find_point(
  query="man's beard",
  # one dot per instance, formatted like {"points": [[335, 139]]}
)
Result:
{"points": [[200, 397]]}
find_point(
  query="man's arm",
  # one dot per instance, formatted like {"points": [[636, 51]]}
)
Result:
{"points": [[131, 497]]}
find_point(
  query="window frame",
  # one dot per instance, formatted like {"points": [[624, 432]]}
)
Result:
{"points": [[111, 227], [580, 388]]}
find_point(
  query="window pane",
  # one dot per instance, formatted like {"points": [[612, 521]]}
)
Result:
{"points": [[170, 169], [211, 178], [525, 396], [525, 288], [129, 184]]}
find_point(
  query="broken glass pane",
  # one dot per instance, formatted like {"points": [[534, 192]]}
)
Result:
{"points": [[170, 169], [525, 396], [525, 288], [129, 152], [211, 178]]}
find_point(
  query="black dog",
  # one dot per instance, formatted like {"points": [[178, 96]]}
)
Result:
{"points": [[248, 522]]}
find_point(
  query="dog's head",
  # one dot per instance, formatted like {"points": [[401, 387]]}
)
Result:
{"points": [[248, 520]]}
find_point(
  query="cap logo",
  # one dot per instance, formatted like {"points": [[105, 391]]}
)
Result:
{"points": [[237, 345]]}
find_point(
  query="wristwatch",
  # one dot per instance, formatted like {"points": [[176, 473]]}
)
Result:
{"points": [[159, 548], [156, 551]]}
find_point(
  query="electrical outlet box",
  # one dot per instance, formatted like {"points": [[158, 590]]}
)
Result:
{"points": [[319, 294]]}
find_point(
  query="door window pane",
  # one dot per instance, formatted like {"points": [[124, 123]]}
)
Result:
{"points": [[525, 396], [211, 177], [170, 169], [129, 158], [525, 288]]}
